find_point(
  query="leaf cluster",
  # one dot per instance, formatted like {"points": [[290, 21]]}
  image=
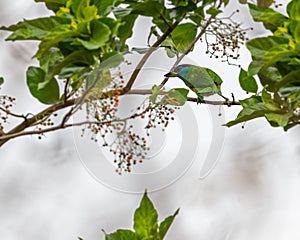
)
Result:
{"points": [[146, 225], [275, 62]]}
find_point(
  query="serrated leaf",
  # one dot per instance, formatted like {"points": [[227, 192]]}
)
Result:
{"points": [[145, 219], [176, 96], [46, 91], [248, 83], [121, 234], [183, 35], [165, 224]]}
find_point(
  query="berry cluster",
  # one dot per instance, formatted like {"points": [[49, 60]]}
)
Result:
{"points": [[128, 148], [159, 115], [6, 102], [224, 37]]}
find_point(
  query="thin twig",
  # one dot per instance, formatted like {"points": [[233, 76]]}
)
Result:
{"points": [[147, 55]]}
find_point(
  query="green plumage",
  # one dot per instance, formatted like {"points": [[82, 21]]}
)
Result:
{"points": [[202, 81]]}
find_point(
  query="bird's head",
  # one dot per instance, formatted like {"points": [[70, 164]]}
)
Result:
{"points": [[179, 70]]}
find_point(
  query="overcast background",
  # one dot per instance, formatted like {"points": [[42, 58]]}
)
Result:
{"points": [[47, 193]]}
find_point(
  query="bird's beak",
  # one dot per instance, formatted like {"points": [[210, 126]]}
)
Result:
{"points": [[171, 74]]}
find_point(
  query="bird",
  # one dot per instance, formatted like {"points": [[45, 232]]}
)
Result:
{"points": [[203, 81]]}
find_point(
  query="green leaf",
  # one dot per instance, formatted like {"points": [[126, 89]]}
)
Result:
{"points": [[165, 224], [112, 24], [293, 10], [183, 35], [155, 92], [35, 29], [176, 96], [270, 18], [76, 58], [50, 58], [104, 6], [46, 92], [53, 38], [99, 36], [213, 11], [278, 53], [86, 13], [294, 28], [254, 67], [1, 80], [121, 234], [53, 5], [120, 12], [149, 8], [111, 59], [125, 30], [292, 77], [279, 119], [269, 76], [252, 108], [269, 102], [259, 46], [247, 82], [145, 219], [295, 61]]}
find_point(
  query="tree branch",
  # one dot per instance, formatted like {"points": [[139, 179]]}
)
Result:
{"points": [[147, 55]]}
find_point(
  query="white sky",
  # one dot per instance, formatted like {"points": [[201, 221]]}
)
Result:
{"points": [[47, 193]]}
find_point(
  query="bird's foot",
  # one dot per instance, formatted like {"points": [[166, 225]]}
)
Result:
{"points": [[227, 102], [199, 100]]}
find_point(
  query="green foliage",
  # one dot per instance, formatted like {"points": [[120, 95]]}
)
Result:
{"points": [[45, 90], [276, 61], [77, 38], [176, 97], [183, 35], [146, 224], [1, 80], [247, 82]]}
